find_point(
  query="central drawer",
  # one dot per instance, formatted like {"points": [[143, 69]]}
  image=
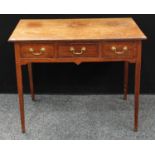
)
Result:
{"points": [[70, 50]]}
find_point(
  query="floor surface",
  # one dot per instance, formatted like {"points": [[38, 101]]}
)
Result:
{"points": [[77, 117]]}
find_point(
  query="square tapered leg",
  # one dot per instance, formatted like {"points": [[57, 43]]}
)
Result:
{"points": [[126, 75], [20, 95], [31, 81], [137, 86]]}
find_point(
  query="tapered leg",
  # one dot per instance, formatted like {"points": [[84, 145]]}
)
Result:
{"points": [[137, 92], [126, 75], [20, 95], [31, 81]]}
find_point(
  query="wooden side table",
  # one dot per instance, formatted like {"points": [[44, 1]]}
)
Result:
{"points": [[77, 41]]}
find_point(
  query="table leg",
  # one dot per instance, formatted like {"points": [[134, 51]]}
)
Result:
{"points": [[126, 75], [137, 92], [137, 84], [31, 81], [20, 95]]}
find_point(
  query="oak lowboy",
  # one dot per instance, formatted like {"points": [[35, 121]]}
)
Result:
{"points": [[77, 41]]}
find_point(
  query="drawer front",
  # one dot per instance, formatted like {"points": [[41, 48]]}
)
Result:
{"points": [[69, 50], [120, 50], [37, 50]]}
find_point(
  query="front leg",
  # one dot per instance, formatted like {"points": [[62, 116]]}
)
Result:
{"points": [[31, 81], [20, 95], [137, 92], [126, 78], [137, 85]]}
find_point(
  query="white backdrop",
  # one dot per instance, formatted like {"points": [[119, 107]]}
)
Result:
{"points": [[77, 6]]}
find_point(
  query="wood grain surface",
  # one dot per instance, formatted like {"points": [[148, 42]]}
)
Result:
{"points": [[77, 29]]}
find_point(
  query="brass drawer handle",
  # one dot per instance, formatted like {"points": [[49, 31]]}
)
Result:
{"points": [[42, 50], [125, 48], [83, 49]]}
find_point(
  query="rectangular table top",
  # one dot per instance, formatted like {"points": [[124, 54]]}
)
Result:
{"points": [[77, 29]]}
